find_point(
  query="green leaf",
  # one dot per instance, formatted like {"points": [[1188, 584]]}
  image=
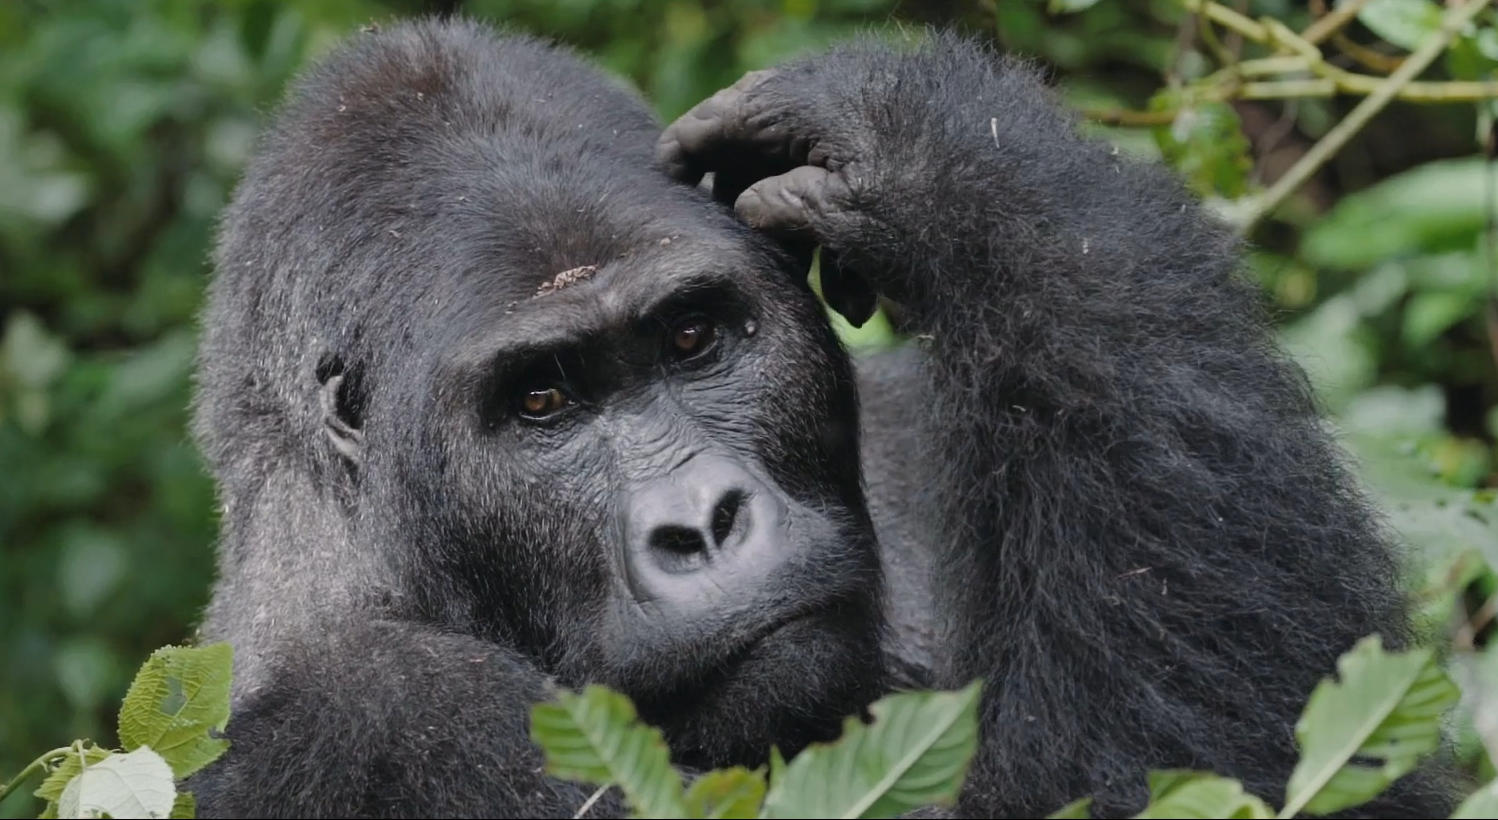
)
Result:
{"points": [[52, 785], [915, 754], [595, 736], [1438, 206], [1075, 810], [178, 701], [185, 807], [1069, 6], [129, 784], [1205, 143], [1482, 803], [1179, 793], [1405, 23], [1386, 709], [1433, 312], [727, 793]]}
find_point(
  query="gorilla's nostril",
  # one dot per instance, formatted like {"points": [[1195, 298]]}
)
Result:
{"points": [[726, 516], [673, 540]]}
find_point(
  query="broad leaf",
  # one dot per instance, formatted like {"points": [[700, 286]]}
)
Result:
{"points": [[178, 704], [1205, 143], [1438, 206], [1385, 710], [185, 807], [52, 785], [1179, 794], [727, 793], [1405, 23], [595, 736], [915, 754], [129, 784], [1482, 803]]}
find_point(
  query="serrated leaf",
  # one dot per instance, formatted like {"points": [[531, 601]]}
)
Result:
{"points": [[727, 793], [177, 704], [915, 754], [1075, 810], [68, 768], [1179, 793], [185, 807], [595, 737], [129, 784], [1482, 803], [1385, 709], [1405, 23]]}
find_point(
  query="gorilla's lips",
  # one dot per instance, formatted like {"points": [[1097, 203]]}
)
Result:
{"points": [[792, 683]]}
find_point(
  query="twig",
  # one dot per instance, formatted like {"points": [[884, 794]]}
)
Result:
{"points": [[1333, 22], [1375, 102], [1136, 119], [31, 769]]}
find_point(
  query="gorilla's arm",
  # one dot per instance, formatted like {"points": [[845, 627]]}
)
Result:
{"points": [[1150, 550], [389, 719]]}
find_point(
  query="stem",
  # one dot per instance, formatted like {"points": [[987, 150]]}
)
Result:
{"points": [[1134, 119], [1375, 102], [1333, 22], [31, 769]]}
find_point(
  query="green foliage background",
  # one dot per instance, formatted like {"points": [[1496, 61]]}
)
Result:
{"points": [[123, 124]]}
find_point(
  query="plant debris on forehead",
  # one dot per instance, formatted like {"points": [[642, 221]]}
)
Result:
{"points": [[566, 279]]}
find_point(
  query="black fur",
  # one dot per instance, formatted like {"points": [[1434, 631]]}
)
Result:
{"points": [[1094, 480]]}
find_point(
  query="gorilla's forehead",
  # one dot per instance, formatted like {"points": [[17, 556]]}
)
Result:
{"points": [[565, 290]]}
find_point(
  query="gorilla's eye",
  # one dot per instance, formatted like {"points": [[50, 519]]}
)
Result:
{"points": [[542, 402], [693, 337]]}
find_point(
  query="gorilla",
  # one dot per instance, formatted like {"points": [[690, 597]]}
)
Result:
{"points": [[505, 387]]}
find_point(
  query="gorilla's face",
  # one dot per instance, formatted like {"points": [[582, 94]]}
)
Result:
{"points": [[633, 453]]}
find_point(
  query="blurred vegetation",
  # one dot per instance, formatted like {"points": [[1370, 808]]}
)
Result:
{"points": [[123, 124]]}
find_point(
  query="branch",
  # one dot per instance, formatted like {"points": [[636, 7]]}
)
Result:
{"points": [[1386, 92]]}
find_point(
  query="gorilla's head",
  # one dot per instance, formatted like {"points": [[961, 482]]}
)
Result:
{"points": [[552, 398]]}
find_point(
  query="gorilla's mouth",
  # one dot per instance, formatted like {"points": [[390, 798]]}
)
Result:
{"points": [[790, 683]]}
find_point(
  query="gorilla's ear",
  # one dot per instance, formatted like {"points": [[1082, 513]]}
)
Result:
{"points": [[342, 407]]}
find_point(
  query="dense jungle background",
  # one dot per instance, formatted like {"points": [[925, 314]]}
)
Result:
{"points": [[123, 125]]}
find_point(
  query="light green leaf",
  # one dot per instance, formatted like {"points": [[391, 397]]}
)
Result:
{"points": [[915, 754], [727, 793], [1438, 206], [1075, 810], [129, 784], [1178, 793], [185, 807], [1405, 23], [1205, 144], [1433, 312], [595, 737], [68, 768], [1482, 803], [178, 701], [1386, 708], [1069, 6]]}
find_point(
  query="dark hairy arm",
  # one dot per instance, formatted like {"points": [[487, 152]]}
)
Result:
{"points": [[1152, 549], [388, 719]]}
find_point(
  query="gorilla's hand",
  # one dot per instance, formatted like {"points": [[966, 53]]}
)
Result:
{"points": [[799, 154]]}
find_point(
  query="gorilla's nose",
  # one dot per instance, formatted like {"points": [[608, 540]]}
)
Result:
{"points": [[708, 522]]}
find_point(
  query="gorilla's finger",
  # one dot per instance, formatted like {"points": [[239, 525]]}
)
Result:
{"points": [[728, 121], [790, 203]]}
